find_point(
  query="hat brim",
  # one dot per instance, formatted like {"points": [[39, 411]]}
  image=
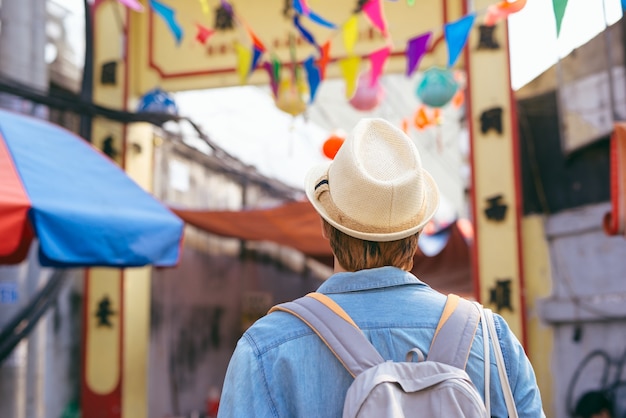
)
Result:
{"points": [[431, 202]]}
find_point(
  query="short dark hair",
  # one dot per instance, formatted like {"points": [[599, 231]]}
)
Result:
{"points": [[356, 254], [593, 402]]}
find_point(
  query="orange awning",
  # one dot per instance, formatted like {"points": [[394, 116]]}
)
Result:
{"points": [[297, 225]]}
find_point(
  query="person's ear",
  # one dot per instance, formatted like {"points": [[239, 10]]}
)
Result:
{"points": [[323, 229]]}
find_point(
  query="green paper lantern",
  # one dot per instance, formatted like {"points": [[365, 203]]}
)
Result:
{"points": [[437, 87]]}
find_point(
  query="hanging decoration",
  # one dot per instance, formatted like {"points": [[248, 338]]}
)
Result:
{"points": [[303, 31], [313, 76], [456, 34], [224, 17], [364, 94], [367, 95], [132, 4], [350, 33], [437, 87], [350, 70], [378, 59], [415, 50], [559, 11], [203, 33], [500, 11], [205, 6], [331, 146], [169, 16], [373, 9], [273, 71], [292, 92], [244, 62], [157, 101]]}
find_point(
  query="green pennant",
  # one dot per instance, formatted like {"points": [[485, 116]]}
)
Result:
{"points": [[559, 10]]}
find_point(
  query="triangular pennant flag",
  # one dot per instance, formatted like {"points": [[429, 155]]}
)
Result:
{"points": [[305, 33], [301, 7], [203, 33], [623, 4], [272, 75], [350, 70], [244, 61], [255, 39], [351, 33], [169, 15], [456, 34], [205, 6], [373, 9], [256, 56], [378, 59], [276, 68], [559, 11], [324, 59], [415, 50], [313, 77], [320, 20], [132, 4]]}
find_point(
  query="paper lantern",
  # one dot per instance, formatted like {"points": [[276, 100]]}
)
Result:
{"points": [[332, 145], [421, 119], [157, 101], [437, 87], [291, 98], [367, 96]]}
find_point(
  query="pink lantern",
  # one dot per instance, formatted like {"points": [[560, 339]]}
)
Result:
{"points": [[367, 96]]}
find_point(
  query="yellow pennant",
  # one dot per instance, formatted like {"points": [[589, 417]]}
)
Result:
{"points": [[205, 6], [350, 33], [350, 70], [244, 61]]}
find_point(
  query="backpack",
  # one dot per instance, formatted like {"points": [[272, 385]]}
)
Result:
{"points": [[437, 386]]}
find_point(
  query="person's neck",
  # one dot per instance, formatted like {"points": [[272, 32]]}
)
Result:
{"points": [[337, 267]]}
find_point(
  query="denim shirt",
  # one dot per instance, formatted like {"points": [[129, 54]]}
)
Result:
{"points": [[280, 368]]}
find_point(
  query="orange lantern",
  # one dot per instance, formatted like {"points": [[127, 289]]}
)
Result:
{"points": [[332, 145], [421, 119]]}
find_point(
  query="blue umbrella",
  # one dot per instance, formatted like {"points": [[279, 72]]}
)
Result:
{"points": [[83, 208]]}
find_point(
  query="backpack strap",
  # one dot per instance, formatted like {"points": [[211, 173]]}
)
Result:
{"points": [[455, 332], [336, 329]]}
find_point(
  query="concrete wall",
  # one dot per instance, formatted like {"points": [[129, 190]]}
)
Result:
{"points": [[586, 307]]}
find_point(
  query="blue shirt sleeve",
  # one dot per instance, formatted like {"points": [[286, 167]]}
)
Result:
{"points": [[245, 393], [520, 372]]}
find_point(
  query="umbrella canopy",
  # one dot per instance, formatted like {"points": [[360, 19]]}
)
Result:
{"points": [[83, 208]]}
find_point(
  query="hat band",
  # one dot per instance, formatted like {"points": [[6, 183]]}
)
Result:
{"points": [[322, 194]]}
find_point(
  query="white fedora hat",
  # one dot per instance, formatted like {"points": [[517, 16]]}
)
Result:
{"points": [[375, 189]]}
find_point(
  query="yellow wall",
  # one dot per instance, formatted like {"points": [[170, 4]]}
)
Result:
{"points": [[540, 344]]}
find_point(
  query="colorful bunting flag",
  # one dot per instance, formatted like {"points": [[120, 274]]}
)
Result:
{"points": [[320, 20], [305, 33], [350, 70], [500, 11], [169, 15], [203, 33], [456, 34], [324, 59], [623, 4], [205, 6], [256, 56], [378, 59], [373, 9], [559, 11], [244, 62], [132, 4], [313, 77], [255, 39], [301, 7], [415, 50], [272, 75], [351, 33]]}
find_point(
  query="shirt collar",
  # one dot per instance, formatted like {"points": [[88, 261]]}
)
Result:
{"points": [[368, 279]]}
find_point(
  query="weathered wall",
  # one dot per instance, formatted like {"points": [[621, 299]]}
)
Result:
{"points": [[586, 307]]}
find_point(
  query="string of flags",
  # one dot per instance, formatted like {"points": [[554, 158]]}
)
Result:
{"points": [[295, 91]]}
